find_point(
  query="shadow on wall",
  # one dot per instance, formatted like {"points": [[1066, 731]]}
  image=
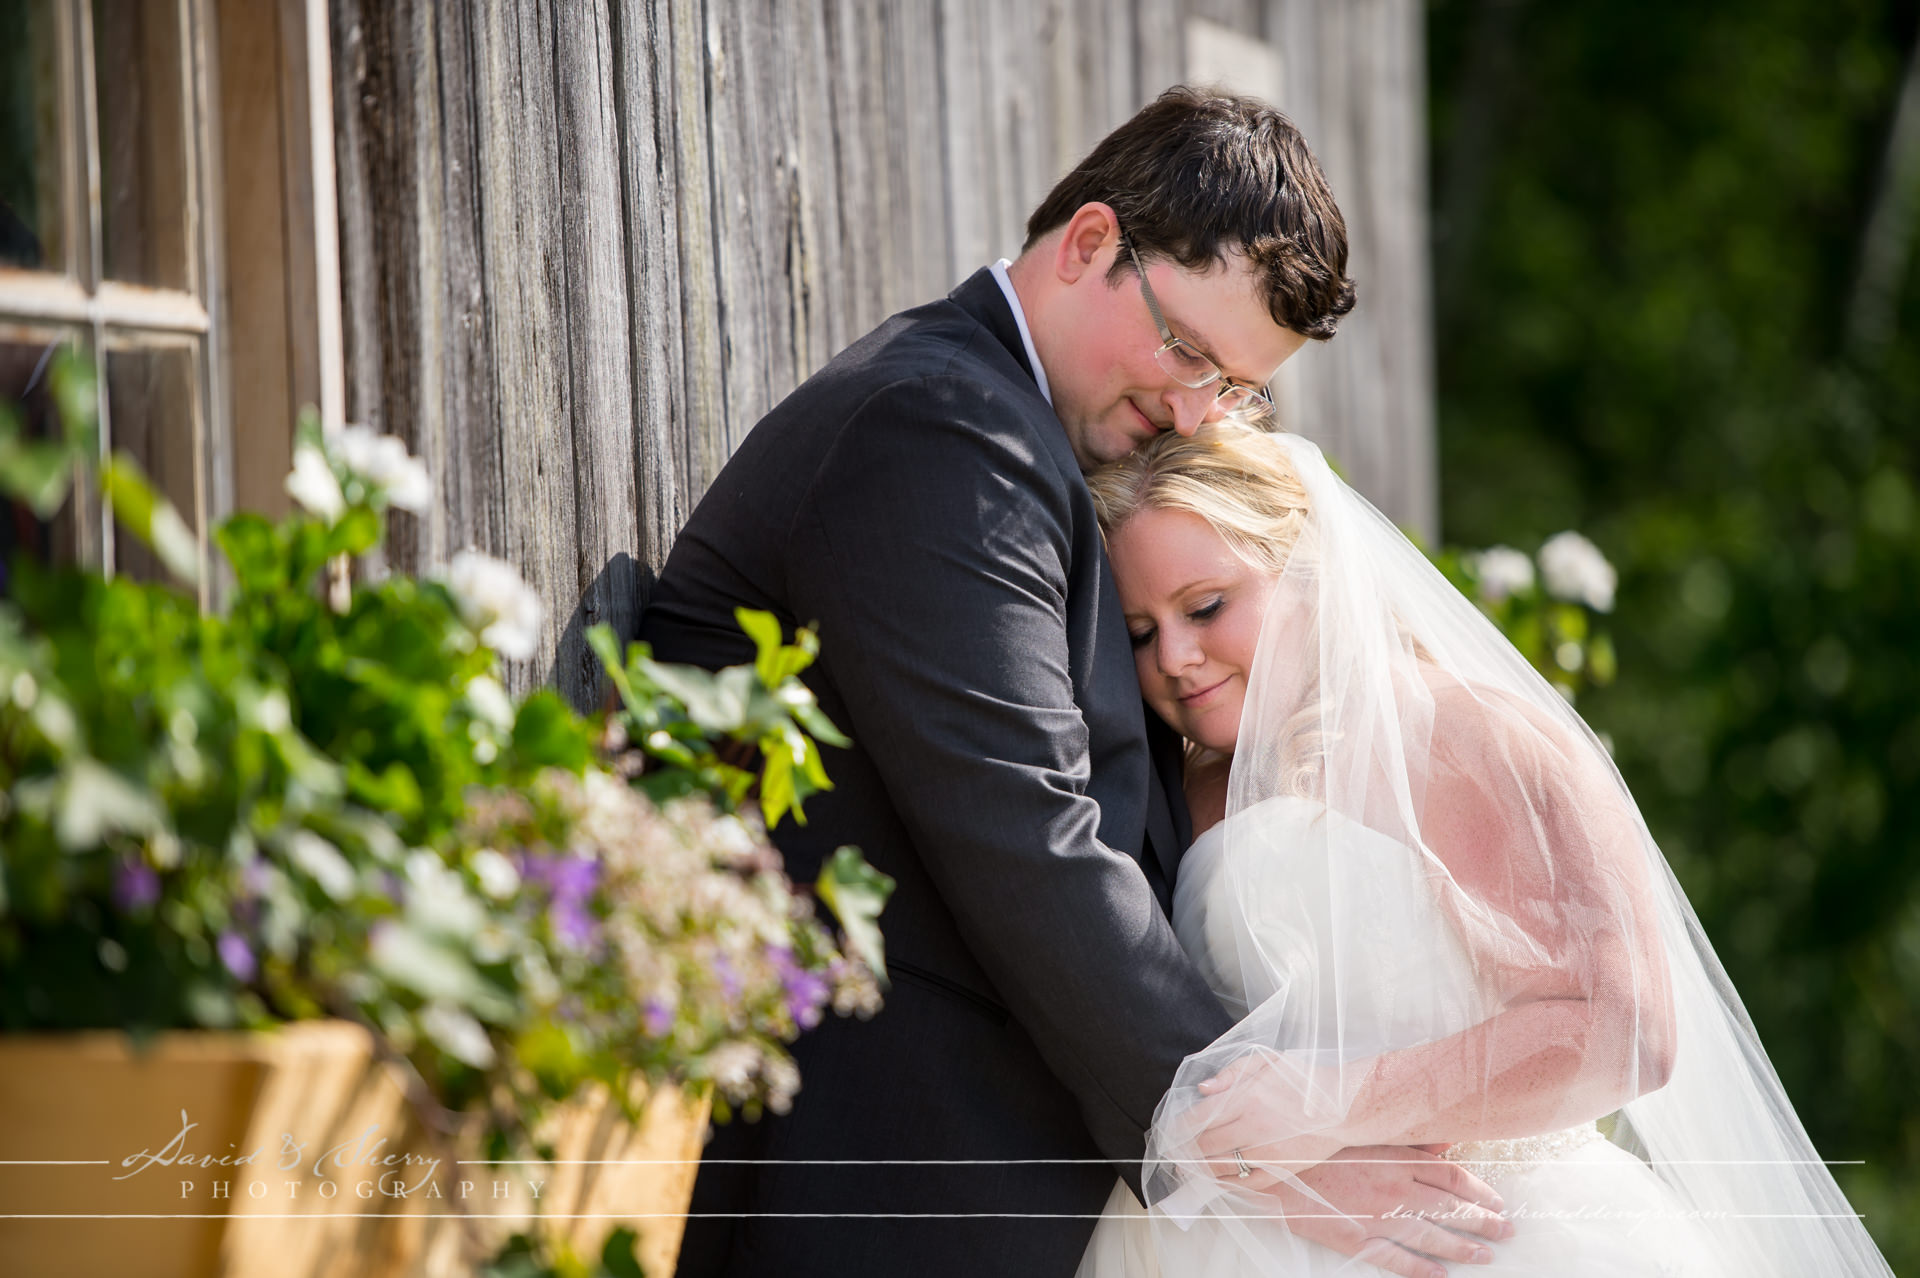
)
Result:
{"points": [[616, 596]]}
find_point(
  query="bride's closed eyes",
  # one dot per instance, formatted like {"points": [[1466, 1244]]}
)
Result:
{"points": [[1202, 614]]}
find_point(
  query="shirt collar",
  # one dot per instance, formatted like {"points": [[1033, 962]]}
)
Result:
{"points": [[1005, 282]]}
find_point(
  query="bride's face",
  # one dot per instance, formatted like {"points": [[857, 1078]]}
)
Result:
{"points": [[1194, 609]]}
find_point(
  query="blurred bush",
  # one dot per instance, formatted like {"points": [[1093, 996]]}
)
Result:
{"points": [[1676, 309]]}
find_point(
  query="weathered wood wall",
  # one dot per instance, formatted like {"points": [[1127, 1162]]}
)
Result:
{"points": [[585, 244]]}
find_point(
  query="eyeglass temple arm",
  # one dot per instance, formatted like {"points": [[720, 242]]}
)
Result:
{"points": [[1159, 320]]}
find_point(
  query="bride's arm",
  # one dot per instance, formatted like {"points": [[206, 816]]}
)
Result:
{"points": [[1551, 891]]}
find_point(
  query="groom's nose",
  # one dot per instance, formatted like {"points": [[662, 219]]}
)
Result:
{"points": [[1189, 406]]}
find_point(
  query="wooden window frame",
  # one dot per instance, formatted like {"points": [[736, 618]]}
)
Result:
{"points": [[260, 314]]}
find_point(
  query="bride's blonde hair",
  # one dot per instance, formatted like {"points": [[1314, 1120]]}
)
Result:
{"points": [[1236, 477], [1240, 480]]}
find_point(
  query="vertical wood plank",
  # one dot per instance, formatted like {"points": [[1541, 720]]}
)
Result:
{"points": [[920, 188], [855, 101], [1161, 41], [600, 582], [705, 432], [514, 58], [817, 251], [649, 178]]}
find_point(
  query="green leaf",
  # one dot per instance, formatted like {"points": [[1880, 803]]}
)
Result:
{"points": [[606, 645], [1602, 663], [620, 1258], [776, 788], [547, 733], [394, 789], [76, 398], [764, 629], [357, 531], [151, 517], [815, 721], [716, 702], [856, 893], [249, 543], [35, 473]]}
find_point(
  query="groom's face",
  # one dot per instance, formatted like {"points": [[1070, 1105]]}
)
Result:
{"points": [[1110, 391]]}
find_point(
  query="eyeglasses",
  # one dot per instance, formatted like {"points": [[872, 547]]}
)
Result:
{"points": [[1190, 368]]}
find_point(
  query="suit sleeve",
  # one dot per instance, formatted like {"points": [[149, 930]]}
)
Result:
{"points": [[933, 554]]}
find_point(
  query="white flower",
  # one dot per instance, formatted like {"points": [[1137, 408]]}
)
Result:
{"points": [[313, 485], [495, 603], [457, 1034], [732, 1066], [498, 878], [490, 702], [438, 901], [1503, 571], [1575, 570], [322, 862], [382, 461]]}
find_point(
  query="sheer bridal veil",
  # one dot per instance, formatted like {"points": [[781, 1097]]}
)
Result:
{"points": [[1445, 921]]}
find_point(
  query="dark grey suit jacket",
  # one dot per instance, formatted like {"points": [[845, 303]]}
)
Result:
{"points": [[918, 500]]}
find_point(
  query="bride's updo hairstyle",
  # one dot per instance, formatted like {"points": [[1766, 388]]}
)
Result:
{"points": [[1236, 477]]}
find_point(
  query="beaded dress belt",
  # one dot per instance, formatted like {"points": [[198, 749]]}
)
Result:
{"points": [[1495, 1160]]}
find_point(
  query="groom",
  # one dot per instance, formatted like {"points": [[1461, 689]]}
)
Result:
{"points": [[921, 500]]}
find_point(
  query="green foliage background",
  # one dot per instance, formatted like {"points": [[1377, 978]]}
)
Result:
{"points": [[1654, 325]]}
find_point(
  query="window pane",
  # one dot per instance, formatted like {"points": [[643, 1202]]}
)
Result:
{"points": [[26, 360], [150, 409], [30, 161], [139, 74]]}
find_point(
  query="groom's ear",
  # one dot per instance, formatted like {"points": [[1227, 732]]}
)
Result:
{"points": [[1087, 243]]}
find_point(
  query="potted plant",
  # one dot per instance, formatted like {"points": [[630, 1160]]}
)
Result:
{"points": [[492, 933]]}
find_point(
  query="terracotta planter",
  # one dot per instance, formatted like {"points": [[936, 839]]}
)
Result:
{"points": [[102, 1175]]}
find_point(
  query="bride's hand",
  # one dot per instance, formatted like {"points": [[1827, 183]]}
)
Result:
{"points": [[1387, 1199]]}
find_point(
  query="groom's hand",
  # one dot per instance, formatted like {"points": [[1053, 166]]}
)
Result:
{"points": [[1387, 1200]]}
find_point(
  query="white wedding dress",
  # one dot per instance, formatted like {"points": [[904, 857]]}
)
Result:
{"points": [[1436, 914], [1582, 1206]]}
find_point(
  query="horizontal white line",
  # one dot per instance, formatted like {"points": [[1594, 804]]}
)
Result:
{"points": [[56, 1162], [755, 1215], [1090, 1162]]}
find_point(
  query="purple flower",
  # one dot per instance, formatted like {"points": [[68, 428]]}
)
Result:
{"points": [[658, 1018], [571, 923], [238, 957], [135, 886], [806, 991], [253, 885], [570, 882], [729, 979]]}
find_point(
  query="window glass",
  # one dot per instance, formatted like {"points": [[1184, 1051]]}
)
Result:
{"points": [[150, 398], [26, 360], [139, 69], [30, 222]]}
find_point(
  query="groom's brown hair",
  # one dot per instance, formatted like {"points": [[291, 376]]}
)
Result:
{"points": [[1199, 174]]}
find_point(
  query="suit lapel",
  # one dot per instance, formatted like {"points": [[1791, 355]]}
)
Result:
{"points": [[979, 295]]}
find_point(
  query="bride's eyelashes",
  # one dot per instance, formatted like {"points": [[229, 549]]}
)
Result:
{"points": [[1204, 613]]}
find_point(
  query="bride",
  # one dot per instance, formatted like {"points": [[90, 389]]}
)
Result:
{"points": [[1421, 885]]}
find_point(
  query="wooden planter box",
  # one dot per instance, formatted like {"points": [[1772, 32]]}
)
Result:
{"points": [[95, 1177]]}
